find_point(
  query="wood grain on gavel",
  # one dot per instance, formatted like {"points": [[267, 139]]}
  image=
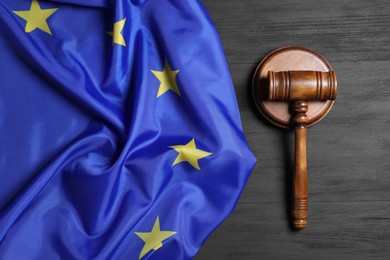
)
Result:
{"points": [[300, 87]]}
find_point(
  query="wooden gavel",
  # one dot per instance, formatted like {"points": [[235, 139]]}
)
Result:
{"points": [[300, 87], [294, 87]]}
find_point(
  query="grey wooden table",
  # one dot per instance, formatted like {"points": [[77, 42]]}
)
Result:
{"points": [[348, 151]]}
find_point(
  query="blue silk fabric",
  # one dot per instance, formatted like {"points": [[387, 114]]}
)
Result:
{"points": [[87, 147]]}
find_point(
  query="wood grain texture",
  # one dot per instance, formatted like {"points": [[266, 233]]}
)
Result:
{"points": [[348, 152]]}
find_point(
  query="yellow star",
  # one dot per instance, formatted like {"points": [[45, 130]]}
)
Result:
{"points": [[36, 17], [116, 34], [189, 153], [167, 79], [153, 239]]}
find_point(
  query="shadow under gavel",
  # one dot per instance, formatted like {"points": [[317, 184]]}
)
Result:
{"points": [[300, 87]]}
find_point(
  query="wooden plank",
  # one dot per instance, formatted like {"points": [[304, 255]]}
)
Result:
{"points": [[348, 152], [264, 234]]}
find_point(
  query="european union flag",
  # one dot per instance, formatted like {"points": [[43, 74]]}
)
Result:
{"points": [[120, 133]]}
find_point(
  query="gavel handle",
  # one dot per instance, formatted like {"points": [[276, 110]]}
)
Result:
{"points": [[300, 190]]}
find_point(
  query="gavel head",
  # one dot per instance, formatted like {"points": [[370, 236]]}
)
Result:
{"points": [[301, 85]]}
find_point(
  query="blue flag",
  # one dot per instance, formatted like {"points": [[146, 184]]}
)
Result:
{"points": [[120, 133]]}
